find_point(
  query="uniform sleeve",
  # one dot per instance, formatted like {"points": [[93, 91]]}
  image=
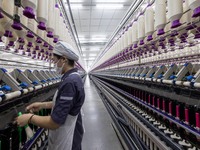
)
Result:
{"points": [[64, 103]]}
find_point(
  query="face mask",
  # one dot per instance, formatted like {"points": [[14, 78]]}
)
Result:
{"points": [[58, 69]]}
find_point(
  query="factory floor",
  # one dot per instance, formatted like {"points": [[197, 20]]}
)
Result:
{"points": [[99, 133]]}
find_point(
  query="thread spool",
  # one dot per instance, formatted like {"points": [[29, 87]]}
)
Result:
{"points": [[51, 21], [178, 112], [186, 115], [160, 16], [149, 23], [163, 103], [149, 99], [158, 103], [42, 14], [135, 34], [30, 8], [5, 23], [175, 10], [141, 29], [57, 16], [130, 40], [197, 117], [195, 6], [170, 108], [153, 101]]}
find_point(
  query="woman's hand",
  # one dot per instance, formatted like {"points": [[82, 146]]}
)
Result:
{"points": [[23, 119], [35, 107]]}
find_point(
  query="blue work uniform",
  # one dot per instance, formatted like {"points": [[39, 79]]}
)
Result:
{"points": [[66, 112]]}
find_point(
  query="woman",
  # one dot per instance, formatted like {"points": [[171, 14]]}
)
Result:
{"points": [[65, 121]]}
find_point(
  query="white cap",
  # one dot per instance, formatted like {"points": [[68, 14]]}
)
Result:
{"points": [[65, 50]]}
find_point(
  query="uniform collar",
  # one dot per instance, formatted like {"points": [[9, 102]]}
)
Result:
{"points": [[69, 72]]}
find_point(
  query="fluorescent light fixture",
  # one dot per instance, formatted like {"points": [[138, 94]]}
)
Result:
{"points": [[91, 50], [76, 1], [109, 6], [99, 36], [76, 6], [91, 58], [92, 54], [98, 39], [93, 41], [94, 50], [89, 61], [110, 1]]}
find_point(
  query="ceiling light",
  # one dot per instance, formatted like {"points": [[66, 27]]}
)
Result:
{"points": [[98, 39], [91, 50], [110, 1], [92, 40], [91, 58], [92, 55], [89, 61], [98, 36], [76, 6], [76, 1], [94, 50], [109, 6]]}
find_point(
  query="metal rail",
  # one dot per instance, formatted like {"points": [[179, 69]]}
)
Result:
{"points": [[149, 107], [131, 116]]}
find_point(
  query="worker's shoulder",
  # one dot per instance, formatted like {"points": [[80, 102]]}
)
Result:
{"points": [[73, 78]]}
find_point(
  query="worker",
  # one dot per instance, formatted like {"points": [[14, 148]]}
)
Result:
{"points": [[65, 122]]}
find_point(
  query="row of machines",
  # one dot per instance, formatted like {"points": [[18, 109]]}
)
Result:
{"points": [[17, 82], [17, 90], [187, 74], [159, 99]]}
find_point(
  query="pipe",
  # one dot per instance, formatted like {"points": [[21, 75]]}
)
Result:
{"points": [[61, 2]]}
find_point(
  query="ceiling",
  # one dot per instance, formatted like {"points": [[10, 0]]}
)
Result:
{"points": [[95, 21]]}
